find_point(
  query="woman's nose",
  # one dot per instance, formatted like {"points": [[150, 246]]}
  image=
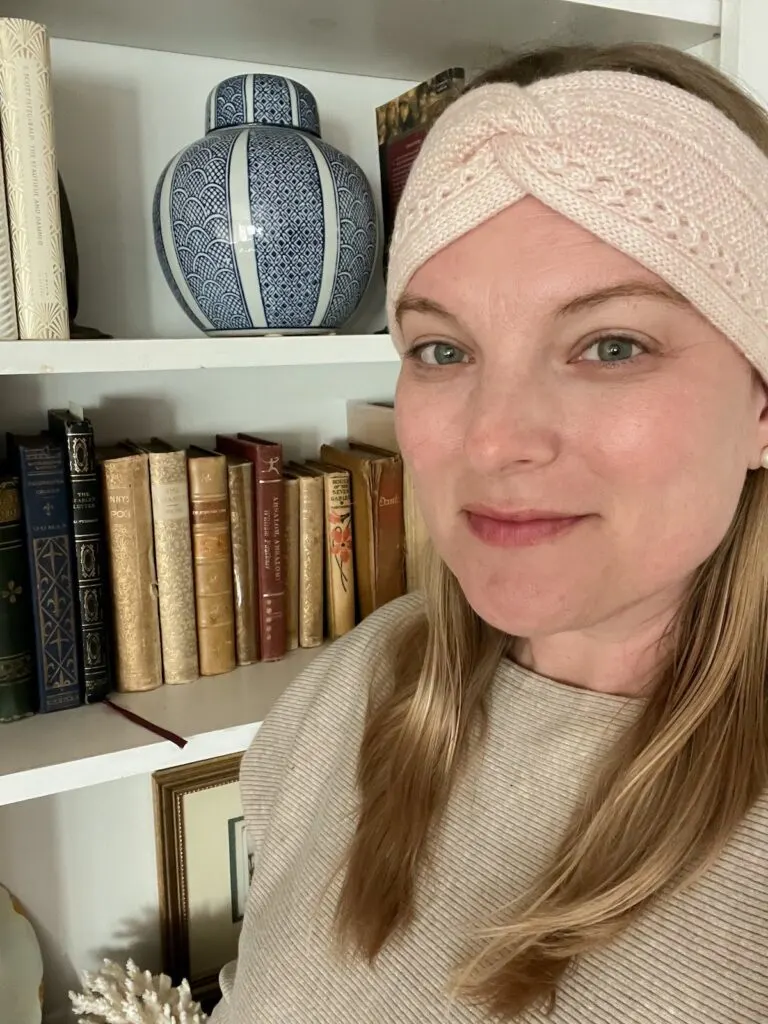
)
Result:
{"points": [[510, 428]]}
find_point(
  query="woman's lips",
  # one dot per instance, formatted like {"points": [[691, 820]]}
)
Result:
{"points": [[516, 529]]}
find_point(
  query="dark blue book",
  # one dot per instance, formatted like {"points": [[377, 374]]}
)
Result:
{"points": [[76, 432], [41, 464], [18, 685]]}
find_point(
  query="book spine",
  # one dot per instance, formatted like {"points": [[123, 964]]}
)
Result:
{"points": [[211, 545], [291, 560], [173, 561], [132, 563], [240, 481], [339, 553], [31, 180], [416, 536], [9, 322], [87, 533], [388, 531], [311, 577], [18, 697], [48, 525], [269, 534]]}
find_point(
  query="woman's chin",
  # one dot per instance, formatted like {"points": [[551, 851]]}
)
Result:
{"points": [[519, 609]]}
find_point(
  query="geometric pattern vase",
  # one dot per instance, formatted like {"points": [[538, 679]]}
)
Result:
{"points": [[261, 227]]}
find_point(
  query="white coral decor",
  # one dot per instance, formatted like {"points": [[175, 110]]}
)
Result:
{"points": [[117, 995]]}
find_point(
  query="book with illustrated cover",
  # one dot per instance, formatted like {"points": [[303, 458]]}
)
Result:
{"points": [[377, 518], [291, 560], [339, 549]]}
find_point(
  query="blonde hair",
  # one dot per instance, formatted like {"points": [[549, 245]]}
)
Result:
{"points": [[669, 793]]}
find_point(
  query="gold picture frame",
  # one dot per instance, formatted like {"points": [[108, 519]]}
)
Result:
{"points": [[204, 870]]}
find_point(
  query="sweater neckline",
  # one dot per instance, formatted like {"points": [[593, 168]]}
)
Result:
{"points": [[555, 694]]}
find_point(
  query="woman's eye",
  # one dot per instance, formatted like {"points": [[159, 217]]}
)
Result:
{"points": [[613, 350], [438, 353]]}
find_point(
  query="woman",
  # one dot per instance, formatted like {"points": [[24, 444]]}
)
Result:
{"points": [[542, 789]]}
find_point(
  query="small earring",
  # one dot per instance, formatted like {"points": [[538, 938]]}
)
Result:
{"points": [[764, 458]]}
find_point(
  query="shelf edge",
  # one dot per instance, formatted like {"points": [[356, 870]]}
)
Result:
{"points": [[122, 764]]}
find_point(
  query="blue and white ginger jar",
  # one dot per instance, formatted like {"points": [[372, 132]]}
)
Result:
{"points": [[262, 227]]}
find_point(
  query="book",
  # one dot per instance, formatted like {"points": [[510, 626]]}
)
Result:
{"points": [[75, 431], [212, 551], [402, 125], [291, 560], [373, 423], [240, 484], [169, 491], [377, 518], [267, 459], [18, 688], [9, 322], [339, 550], [31, 180], [41, 465], [311, 553], [131, 555]]}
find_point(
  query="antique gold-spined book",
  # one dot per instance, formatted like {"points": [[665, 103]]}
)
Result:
{"points": [[241, 497], [131, 550], [311, 553], [173, 558], [211, 546]]}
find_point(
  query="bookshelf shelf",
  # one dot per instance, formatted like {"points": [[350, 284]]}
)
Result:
{"points": [[97, 356], [369, 38], [69, 750]]}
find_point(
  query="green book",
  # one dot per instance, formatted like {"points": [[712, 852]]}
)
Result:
{"points": [[18, 687]]}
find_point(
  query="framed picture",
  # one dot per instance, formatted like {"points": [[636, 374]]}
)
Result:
{"points": [[204, 869]]}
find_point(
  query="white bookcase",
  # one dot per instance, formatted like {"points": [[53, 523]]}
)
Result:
{"points": [[130, 81]]}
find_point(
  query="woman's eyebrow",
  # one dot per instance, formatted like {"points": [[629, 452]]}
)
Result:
{"points": [[419, 304], [625, 290]]}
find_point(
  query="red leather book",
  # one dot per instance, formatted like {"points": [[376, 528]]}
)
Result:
{"points": [[267, 459]]}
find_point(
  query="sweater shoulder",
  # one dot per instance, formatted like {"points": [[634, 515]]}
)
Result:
{"points": [[319, 717]]}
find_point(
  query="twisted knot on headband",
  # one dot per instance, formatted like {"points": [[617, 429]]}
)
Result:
{"points": [[658, 173]]}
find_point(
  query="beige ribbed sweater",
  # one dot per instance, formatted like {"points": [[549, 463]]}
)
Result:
{"points": [[700, 957]]}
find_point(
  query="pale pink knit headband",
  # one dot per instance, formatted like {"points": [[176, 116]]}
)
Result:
{"points": [[661, 175]]}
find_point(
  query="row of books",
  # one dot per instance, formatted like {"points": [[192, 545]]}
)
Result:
{"points": [[146, 563], [34, 301]]}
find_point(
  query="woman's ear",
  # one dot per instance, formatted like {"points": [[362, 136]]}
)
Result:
{"points": [[761, 403]]}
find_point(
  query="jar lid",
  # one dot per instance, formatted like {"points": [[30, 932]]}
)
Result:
{"points": [[264, 100]]}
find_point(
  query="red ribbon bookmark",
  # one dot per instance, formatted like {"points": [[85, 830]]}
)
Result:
{"points": [[158, 730]]}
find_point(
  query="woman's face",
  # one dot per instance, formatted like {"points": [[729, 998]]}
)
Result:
{"points": [[577, 433]]}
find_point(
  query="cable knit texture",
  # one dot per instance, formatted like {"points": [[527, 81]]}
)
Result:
{"points": [[660, 174], [698, 957]]}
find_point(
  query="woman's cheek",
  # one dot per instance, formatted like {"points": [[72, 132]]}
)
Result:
{"points": [[428, 426]]}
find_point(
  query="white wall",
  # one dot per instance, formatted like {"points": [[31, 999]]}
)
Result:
{"points": [[83, 866], [120, 115]]}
